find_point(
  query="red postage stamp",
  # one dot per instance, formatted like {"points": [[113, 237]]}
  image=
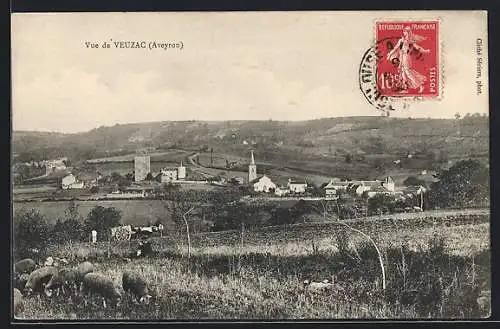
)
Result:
{"points": [[408, 64]]}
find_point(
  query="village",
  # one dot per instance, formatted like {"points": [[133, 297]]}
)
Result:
{"points": [[142, 183]]}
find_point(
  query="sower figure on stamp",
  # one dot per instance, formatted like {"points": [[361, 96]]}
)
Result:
{"points": [[410, 78]]}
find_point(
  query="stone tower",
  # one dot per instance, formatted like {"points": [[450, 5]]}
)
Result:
{"points": [[142, 166], [252, 169], [181, 172]]}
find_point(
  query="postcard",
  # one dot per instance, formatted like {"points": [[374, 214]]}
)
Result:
{"points": [[250, 166]]}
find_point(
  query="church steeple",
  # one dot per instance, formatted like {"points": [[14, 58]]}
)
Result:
{"points": [[252, 168]]}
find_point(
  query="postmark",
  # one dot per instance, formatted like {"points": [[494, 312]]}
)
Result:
{"points": [[402, 66]]}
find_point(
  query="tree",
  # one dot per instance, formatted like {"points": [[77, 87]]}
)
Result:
{"points": [[413, 181], [149, 176], [380, 204], [102, 219], [180, 210], [169, 190], [466, 183], [70, 228], [315, 190], [31, 234]]}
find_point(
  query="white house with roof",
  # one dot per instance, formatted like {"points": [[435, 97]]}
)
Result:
{"points": [[359, 187], [297, 186], [281, 191], [263, 184], [70, 182], [388, 184], [334, 186]]}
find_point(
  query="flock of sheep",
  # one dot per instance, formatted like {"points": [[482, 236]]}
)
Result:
{"points": [[30, 279]]}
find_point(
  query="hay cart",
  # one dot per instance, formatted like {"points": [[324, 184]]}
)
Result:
{"points": [[127, 232], [121, 233]]}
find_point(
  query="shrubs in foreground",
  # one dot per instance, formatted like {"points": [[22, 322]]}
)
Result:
{"points": [[424, 283]]}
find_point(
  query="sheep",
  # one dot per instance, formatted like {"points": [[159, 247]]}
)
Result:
{"points": [[484, 302], [27, 265], [135, 284], [68, 278], [99, 284], [38, 278], [49, 261], [18, 302], [20, 280], [65, 278], [317, 285], [84, 268]]}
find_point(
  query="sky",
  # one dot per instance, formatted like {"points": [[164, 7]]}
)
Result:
{"points": [[233, 66]]}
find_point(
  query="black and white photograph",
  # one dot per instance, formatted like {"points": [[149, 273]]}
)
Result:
{"points": [[250, 166]]}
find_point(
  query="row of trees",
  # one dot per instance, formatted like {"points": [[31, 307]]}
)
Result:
{"points": [[33, 233]]}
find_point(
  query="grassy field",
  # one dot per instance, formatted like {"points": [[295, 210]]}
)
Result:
{"points": [[259, 275], [135, 212], [170, 156]]}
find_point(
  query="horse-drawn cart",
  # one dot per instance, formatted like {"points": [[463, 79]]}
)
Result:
{"points": [[121, 233], [127, 232]]}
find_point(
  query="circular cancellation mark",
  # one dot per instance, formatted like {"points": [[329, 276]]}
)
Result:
{"points": [[368, 73]]}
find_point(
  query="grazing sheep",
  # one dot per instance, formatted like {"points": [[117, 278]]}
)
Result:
{"points": [[38, 278], [18, 302], [99, 284], [49, 261], [27, 265], [484, 302], [317, 285], [84, 268], [65, 279], [135, 284], [20, 280]]}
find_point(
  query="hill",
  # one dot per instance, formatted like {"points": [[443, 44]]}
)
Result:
{"points": [[315, 145]]}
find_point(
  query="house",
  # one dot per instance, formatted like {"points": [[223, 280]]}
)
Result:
{"points": [[281, 191], [54, 165], [366, 186], [69, 181], [359, 187], [334, 186], [168, 175], [263, 184], [297, 186], [388, 184], [375, 191]]}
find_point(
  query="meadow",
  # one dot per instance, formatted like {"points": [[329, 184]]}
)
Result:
{"points": [[134, 212], [433, 270]]}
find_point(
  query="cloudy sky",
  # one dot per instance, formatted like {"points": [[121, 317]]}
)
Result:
{"points": [[234, 66]]}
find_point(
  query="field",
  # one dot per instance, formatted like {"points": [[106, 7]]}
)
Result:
{"points": [[171, 156], [259, 274], [135, 212]]}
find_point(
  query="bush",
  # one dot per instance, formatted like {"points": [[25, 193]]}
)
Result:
{"points": [[413, 181], [102, 220], [465, 184], [31, 234], [68, 230]]}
